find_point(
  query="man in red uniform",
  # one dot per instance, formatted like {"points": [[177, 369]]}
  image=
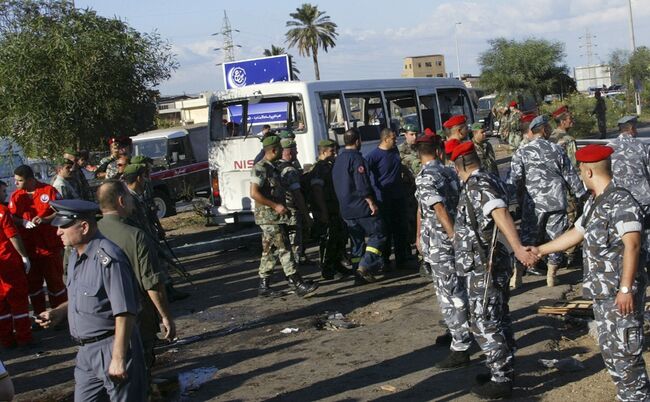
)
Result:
{"points": [[14, 305], [30, 207]]}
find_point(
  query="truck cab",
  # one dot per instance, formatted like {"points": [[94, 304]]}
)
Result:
{"points": [[180, 163]]}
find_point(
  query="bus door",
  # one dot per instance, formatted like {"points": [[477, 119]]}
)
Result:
{"points": [[453, 101], [333, 115], [429, 111], [366, 112], [403, 109]]}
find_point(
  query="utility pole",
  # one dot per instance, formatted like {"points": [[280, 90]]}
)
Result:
{"points": [[588, 46], [229, 45], [457, 53], [637, 95]]}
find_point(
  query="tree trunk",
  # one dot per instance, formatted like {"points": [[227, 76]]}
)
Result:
{"points": [[314, 54]]}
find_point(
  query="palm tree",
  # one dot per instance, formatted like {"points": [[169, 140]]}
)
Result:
{"points": [[310, 30], [279, 51]]}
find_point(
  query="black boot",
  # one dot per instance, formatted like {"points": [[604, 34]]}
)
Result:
{"points": [[301, 287], [173, 294], [493, 390], [453, 360], [264, 290], [482, 378]]}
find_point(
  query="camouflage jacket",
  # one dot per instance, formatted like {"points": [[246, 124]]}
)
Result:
{"points": [[485, 192], [616, 214], [111, 166], [544, 170], [290, 181], [436, 183], [567, 142], [267, 177], [631, 166], [485, 153], [409, 157]]}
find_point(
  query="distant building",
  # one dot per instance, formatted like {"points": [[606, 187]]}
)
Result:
{"points": [[184, 109], [424, 66], [594, 76]]}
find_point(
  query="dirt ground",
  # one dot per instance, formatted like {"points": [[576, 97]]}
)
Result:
{"points": [[389, 355]]}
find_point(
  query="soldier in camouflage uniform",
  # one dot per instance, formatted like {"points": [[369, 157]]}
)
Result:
{"points": [[540, 171], [330, 226], [514, 128], [410, 168], [272, 216], [407, 153], [561, 136], [437, 194], [107, 169], [614, 278], [524, 126], [484, 149], [290, 179], [631, 169], [483, 203]]}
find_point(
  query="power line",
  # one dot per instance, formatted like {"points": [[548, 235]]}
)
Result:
{"points": [[228, 47]]}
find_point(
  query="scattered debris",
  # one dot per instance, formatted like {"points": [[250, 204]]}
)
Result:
{"points": [[564, 307], [567, 364], [334, 321], [388, 388], [593, 330], [192, 380], [289, 330]]}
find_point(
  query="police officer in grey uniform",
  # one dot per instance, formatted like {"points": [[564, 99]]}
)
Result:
{"points": [[631, 168], [101, 309], [437, 195], [541, 170], [610, 230], [483, 203]]}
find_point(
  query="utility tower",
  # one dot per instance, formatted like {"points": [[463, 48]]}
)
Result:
{"points": [[587, 46], [229, 45]]}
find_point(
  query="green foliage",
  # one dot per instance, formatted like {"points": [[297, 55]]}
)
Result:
{"points": [[279, 51], [69, 77], [632, 68], [532, 67], [311, 30], [581, 107]]}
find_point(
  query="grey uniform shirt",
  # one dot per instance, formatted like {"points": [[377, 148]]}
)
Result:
{"points": [[100, 286], [486, 193], [435, 184], [603, 229], [631, 166], [545, 171], [65, 188]]}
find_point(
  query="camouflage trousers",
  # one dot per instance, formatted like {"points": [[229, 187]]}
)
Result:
{"points": [[276, 246], [492, 327], [514, 140], [295, 228], [452, 299], [537, 227], [621, 344]]}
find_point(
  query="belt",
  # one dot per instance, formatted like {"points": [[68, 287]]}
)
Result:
{"points": [[87, 341]]}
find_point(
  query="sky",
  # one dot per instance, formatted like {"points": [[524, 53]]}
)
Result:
{"points": [[374, 36]]}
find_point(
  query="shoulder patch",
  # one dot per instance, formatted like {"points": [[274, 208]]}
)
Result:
{"points": [[104, 258]]}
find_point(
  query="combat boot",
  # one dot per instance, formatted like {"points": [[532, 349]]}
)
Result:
{"points": [[493, 390], [453, 360], [302, 288], [264, 290], [515, 281], [365, 274], [550, 275]]}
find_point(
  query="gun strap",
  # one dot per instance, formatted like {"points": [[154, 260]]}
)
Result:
{"points": [[471, 213]]}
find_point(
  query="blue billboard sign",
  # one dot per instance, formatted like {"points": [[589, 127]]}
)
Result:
{"points": [[241, 73]]}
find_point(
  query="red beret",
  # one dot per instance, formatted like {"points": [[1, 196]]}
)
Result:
{"points": [[428, 131], [455, 121], [559, 111], [593, 153], [465, 148], [450, 145], [428, 139], [527, 118], [512, 104]]}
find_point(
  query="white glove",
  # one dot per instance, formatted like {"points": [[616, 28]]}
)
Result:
{"points": [[27, 264], [28, 224]]}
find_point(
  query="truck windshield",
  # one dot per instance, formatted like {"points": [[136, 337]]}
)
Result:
{"points": [[153, 148]]}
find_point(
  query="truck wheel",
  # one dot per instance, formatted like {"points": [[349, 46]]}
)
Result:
{"points": [[165, 206]]}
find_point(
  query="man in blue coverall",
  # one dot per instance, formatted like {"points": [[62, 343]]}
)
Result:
{"points": [[358, 208]]}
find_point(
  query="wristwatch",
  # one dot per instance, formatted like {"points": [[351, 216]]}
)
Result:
{"points": [[625, 290]]}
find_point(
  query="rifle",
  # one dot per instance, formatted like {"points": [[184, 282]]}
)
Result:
{"points": [[487, 279], [175, 262], [322, 246]]}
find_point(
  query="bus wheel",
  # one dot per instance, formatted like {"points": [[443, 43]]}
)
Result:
{"points": [[164, 205]]}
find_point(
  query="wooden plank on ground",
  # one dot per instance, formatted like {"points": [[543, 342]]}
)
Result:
{"points": [[571, 307]]}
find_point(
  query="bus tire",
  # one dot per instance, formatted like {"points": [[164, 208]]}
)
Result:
{"points": [[164, 204]]}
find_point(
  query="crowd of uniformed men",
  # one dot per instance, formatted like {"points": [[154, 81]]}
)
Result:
{"points": [[445, 194], [118, 282]]}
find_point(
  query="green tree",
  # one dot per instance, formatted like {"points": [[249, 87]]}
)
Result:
{"points": [[311, 30], [632, 70], [279, 51], [69, 77], [530, 67]]}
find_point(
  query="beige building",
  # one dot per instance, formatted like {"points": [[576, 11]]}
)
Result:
{"points": [[424, 66], [184, 109]]}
